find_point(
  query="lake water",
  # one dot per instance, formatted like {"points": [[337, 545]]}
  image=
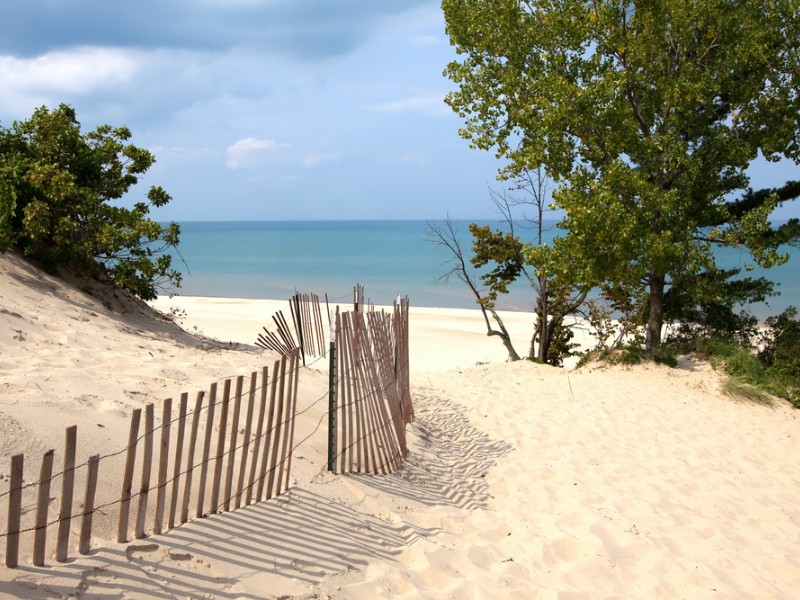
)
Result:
{"points": [[390, 258]]}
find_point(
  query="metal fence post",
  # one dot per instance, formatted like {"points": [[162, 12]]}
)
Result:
{"points": [[332, 407]]}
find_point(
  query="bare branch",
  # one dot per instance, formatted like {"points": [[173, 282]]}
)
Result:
{"points": [[446, 236]]}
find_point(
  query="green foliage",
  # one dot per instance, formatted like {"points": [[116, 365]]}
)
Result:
{"points": [[647, 114], [781, 354], [704, 305], [775, 369], [736, 388], [57, 192], [509, 258], [633, 352], [504, 250]]}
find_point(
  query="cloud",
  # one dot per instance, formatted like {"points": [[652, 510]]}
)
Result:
{"points": [[245, 153], [80, 70], [304, 29]]}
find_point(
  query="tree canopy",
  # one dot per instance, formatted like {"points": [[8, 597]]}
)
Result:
{"points": [[58, 188], [646, 114]]}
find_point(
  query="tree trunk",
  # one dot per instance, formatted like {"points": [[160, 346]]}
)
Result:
{"points": [[512, 353], [544, 329], [655, 319], [502, 333]]}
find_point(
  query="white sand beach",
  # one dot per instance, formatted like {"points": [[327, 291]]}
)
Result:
{"points": [[522, 480]]}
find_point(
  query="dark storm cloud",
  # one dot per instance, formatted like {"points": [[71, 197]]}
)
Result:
{"points": [[305, 29]]}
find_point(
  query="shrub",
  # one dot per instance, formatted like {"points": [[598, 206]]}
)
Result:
{"points": [[58, 187]]}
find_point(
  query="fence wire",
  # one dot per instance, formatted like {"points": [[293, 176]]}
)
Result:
{"points": [[356, 368]]}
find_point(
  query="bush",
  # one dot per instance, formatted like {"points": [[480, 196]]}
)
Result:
{"points": [[780, 353], [57, 189], [775, 369]]}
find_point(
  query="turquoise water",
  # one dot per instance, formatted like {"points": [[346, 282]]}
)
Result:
{"points": [[390, 258]]}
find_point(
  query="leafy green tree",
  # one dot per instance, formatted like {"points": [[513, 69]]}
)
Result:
{"points": [[513, 258], [706, 303], [780, 353], [647, 114], [58, 188], [502, 257], [447, 237]]}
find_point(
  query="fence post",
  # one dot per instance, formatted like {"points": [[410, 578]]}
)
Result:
{"points": [[14, 511], [176, 473], [65, 516], [332, 403], [163, 465], [43, 501], [88, 505], [147, 466], [127, 479]]}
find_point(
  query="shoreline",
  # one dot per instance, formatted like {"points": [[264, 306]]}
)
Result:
{"points": [[239, 320]]}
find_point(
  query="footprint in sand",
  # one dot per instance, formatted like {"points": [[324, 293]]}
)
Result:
{"points": [[132, 551]]}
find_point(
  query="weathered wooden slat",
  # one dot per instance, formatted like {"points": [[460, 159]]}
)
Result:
{"points": [[380, 420], [14, 510], [237, 407], [285, 450], [384, 359], [273, 463], [223, 426], [268, 434], [67, 490], [259, 433], [42, 506], [127, 478], [187, 484], [295, 373], [201, 492], [367, 431], [176, 471], [163, 465], [84, 545], [147, 466], [248, 425]]}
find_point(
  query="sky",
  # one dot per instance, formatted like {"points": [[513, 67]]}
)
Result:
{"points": [[267, 109]]}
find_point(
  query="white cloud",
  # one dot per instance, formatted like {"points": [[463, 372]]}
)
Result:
{"points": [[62, 77], [244, 153], [80, 70]]}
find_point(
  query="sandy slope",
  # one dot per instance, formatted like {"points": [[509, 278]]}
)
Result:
{"points": [[522, 481]]}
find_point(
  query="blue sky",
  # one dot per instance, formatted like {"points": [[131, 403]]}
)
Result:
{"points": [[266, 109]]}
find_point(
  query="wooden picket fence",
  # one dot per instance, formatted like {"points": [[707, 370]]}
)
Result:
{"points": [[369, 408], [225, 467], [370, 393], [308, 334]]}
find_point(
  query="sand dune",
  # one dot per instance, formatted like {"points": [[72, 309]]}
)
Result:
{"points": [[522, 481]]}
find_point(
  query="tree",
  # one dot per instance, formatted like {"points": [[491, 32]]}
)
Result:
{"points": [[58, 188], [446, 236], [705, 303], [555, 298], [509, 258], [646, 114]]}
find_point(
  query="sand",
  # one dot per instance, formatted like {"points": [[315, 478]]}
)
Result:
{"points": [[522, 480]]}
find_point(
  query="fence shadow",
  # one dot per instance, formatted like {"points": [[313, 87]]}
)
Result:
{"points": [[300, 535], [448, 463]]}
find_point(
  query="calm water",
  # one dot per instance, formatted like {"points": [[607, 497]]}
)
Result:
{"points": [[273, 259]]}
